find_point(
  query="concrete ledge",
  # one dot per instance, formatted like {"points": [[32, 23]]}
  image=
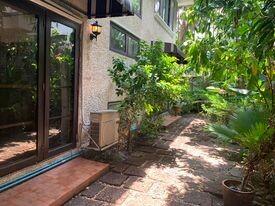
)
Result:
{"points": [[169, 119]]}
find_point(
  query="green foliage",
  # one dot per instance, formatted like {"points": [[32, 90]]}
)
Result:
{"points": [[233, 42], [151, 126], [149, 85], [248, 128], [217, 108]]}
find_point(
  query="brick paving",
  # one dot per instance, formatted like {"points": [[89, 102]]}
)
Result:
{"points": [[184, 166]]}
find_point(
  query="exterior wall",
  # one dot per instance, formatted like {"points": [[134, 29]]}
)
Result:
{"points": [[98, 88]]}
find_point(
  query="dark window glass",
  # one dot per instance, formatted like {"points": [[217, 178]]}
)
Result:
{"points": [[123, 42], [165, 10], [18, 84], [132, 47], [137, 7], [118, 40], [62, 63]]}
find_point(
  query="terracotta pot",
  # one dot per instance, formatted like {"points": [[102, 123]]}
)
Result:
{"points": [[233, 197]]}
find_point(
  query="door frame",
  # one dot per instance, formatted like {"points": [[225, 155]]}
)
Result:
{"points": [[51, 16], [43, 28]]}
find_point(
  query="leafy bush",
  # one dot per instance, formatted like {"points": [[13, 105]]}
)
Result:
{"points": [[151, 126], [218, 108], [232, 43], [148, 86]]}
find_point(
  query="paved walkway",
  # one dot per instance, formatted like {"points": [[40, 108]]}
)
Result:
{"points": [[184, 166]]}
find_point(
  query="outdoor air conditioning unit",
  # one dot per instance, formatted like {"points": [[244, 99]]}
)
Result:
{"points": [[104, 129]]}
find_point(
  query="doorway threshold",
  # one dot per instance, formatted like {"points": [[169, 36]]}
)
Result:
{"points": [[56, 186]]}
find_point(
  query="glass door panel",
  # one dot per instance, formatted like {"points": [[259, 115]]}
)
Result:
{"points": [[61, 88], [18, 84]]}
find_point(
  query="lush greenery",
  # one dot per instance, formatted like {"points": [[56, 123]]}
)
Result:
{"points": [[231, 44], [229, 50], [148, 86]]}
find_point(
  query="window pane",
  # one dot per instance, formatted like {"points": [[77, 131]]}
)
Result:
{"points": [[165, 10], [136, 6], [132, 47], [118, 40], [172, 14], [18, 84], [60, 132], [62, 66], [157, 6]]}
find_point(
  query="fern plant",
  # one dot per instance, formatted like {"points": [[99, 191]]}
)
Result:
{"points": [[250, 129]]}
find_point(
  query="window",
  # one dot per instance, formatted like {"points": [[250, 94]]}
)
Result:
{"points": [[118, 40], [167, 11], [123, 42], [137, 7], [114, 105]]}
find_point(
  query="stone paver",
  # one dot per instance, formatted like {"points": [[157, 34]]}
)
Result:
{"points": [[112, 195], [135, 161], [138, 184], [113, 178], [184, 166], [93, 189], [80, 201], [120, 167], [135, 171]]}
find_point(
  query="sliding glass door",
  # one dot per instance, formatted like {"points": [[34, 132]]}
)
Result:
{"points": [[38, 67], [61, 75]]}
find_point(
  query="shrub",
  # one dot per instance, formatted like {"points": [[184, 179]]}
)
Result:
{"points": [[148, 86]]}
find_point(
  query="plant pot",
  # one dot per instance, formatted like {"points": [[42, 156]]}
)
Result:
{"points": [[234, 197]]}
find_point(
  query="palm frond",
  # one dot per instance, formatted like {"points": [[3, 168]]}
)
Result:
{"points": [[222, 132], [243, 121]]}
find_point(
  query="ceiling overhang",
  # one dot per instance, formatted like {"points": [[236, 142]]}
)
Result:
{"points": [[97, 8], [109, 8], [173, 50]]}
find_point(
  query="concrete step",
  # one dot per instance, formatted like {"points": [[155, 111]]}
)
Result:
{"points": [[56, 186], [169, 119]]}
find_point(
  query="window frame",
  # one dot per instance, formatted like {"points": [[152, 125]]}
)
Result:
{"points": [[171, 12], [127, 36]]}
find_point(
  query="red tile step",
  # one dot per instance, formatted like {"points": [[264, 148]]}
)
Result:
{"points": [[56, 186]]}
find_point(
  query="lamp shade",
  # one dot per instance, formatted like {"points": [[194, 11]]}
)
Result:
{"points": [[96, 29]]}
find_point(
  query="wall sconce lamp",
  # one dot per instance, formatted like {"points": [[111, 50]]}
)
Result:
{"points": [[95, 30]]}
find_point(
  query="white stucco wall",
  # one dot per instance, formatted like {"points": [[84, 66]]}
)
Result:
{"points": [[97, 87]]}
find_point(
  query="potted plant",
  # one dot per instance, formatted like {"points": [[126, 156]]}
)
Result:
{"points": [[250, 129]]}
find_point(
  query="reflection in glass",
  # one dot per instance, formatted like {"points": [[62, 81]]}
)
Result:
{"points": [[61, 84], [18, 84], [118, 40], [133, 47], [165, 4], [136, 5]]}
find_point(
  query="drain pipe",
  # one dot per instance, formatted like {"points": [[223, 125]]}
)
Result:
{"points": [[37, 172]]}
